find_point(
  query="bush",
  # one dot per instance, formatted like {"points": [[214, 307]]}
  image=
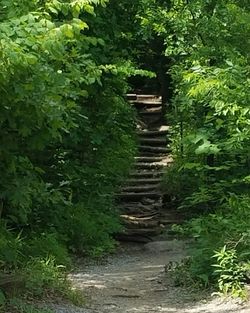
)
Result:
{"points": [[47, 246], [229, 228], [91, 232], [231, 273], [11, 249], [210, 116], [67, 135], [44, 277]]}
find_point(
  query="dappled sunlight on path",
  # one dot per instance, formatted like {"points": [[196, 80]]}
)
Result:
{"points": [[134, 281]]}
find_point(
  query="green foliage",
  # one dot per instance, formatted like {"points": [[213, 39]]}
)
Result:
{"points": [[232, 224], [42, 275], [91, 234], [44, 278], [206, 44], [41, 278], [231, 273], [180, 274], [75, 296], [47, 246], [67, 133], [10, 249]]}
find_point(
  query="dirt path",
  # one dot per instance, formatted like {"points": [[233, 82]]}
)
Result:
{"points": [[134, 281]]}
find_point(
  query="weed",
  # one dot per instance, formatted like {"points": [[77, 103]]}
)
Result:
{"points": [[231, 273]]}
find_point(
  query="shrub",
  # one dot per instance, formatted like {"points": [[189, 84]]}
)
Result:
{"points": [[229, 226], [11, 249], [66, 135], [231, 273], [43, 276], [46, 246]]}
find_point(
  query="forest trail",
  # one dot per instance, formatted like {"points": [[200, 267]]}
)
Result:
{"points": [[134, 280]]}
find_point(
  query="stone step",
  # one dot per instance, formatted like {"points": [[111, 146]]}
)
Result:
{"points": [[147, 208], [141, 181], [143, 95], [160, 128], [152, 133], [156, 111], [141, 188], [140, 224], [149, 166], [147, 174], [153, 149], [138, 195], [153, 141], [170, 221], [142, 195], [152, 154], [143, 104], [131, 96], [140, 209], [148, 159]]}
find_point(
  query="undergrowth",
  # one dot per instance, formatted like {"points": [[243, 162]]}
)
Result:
{"points": [[39, 279], [219, 250]]}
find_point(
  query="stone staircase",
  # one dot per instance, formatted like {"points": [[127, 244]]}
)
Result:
{"points": [[141, 199]]}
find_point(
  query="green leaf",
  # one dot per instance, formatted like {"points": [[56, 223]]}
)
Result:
{"points": [[207, 148], [67, 31]]}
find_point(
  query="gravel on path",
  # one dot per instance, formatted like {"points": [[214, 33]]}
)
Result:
{"points": [[134, 281]]}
